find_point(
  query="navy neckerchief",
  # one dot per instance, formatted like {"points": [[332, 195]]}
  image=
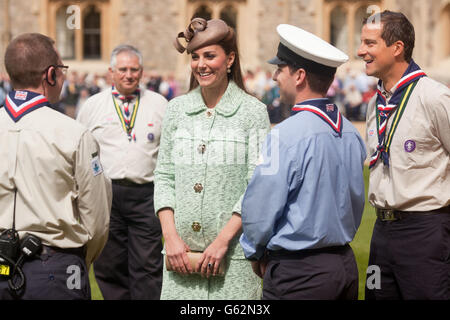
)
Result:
{"points": [[325, 109], [21, 102], [384, 110]]}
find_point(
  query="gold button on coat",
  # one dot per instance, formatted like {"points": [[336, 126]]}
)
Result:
{"points": [[196, 226], [198, 187], [201, 148]]}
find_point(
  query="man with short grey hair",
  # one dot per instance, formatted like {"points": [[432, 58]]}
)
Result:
{"points": [[127, 123]]}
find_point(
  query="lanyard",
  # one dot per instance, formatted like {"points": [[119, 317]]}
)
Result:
{"points": [[398, 115], [128, 128]]}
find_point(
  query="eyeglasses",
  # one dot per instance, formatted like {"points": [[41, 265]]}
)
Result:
{"points": [[63, 67]]}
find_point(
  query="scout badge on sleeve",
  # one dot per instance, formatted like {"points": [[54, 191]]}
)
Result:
{"points": [[96, 165]]}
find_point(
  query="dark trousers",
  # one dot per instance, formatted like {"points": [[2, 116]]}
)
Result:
{"points": [[54, 275], [322, 274], [130, 265], [413, 257]]}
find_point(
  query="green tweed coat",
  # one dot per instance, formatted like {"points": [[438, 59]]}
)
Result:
{"points": [[205, 161]]}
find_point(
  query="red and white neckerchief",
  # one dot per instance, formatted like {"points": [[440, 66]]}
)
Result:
{"points": [[325, 109], [19, 103], [126, 100]]}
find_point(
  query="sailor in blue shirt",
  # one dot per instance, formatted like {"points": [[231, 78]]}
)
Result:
{"points": [[305, 200]]}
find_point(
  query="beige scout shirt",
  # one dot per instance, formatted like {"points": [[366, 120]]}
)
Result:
{"points": [[121, 158], [61, 199], [418, 177]]}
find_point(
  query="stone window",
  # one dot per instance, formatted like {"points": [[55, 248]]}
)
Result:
{"points": [[343, 22], [444, 24], [204, 12], [91, 33], [65, 37], [229, 15], [79, 28], [339, 28]]}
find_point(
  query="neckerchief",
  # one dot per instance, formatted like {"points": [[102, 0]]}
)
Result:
{"points": [[402, 91], [325, 109], [19, 103], [127, 117]]}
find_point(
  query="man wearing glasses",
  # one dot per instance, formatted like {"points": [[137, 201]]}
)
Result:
{"points": [[52, 185], [127, 123]]}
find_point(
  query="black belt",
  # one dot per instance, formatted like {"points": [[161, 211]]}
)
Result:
{"points": [[129, 183], [394, 215], [286, 254], [81, 251]]}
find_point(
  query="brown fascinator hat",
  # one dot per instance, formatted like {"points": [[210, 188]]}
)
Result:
{"points": [[201, 33]]}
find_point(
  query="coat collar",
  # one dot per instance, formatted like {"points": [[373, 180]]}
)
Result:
{"points": [[227, 106]]}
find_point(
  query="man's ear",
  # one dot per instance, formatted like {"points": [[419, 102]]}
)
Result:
{"points": [[399, 48], [50, 76], [300, 77]]}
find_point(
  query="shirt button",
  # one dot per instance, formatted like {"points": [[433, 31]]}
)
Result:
{"points": [[198, 187], [196, 226], [209, 113]]}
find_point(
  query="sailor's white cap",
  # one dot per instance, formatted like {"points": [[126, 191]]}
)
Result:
{"points": [[303, 49]]}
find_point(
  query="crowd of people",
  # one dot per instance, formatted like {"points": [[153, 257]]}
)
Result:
{"points": [[351, 93]]}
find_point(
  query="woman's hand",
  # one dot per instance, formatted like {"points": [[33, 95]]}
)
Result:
{"points": [[176, 248], [176, 254], [211, 258]]}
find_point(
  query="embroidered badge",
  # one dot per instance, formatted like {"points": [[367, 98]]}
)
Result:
{"points": [[21, 95], [410, 146], [330, 107], [96, 165], [371, 132]]}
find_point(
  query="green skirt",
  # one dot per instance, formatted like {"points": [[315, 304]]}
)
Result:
{"points": [[238, 283]]}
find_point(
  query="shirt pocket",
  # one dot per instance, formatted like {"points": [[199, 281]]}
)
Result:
{"points": [[415, 151], [151, 133], [183, 149]]}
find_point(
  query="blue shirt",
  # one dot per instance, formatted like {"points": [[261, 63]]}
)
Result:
{"points": [[308, 192]]}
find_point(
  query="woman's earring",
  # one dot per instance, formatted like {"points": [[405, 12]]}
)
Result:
{"points": [[228, 70]]}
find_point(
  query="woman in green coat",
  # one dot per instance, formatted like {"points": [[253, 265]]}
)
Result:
{"points": [[209, 148]]}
